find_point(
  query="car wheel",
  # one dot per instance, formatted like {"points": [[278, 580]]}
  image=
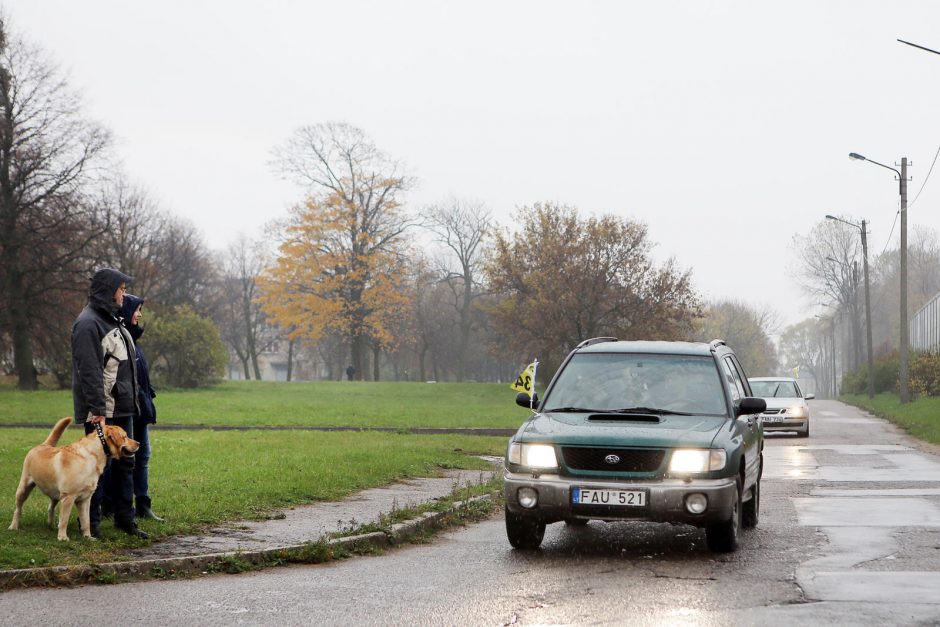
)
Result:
{"points": [[805, 432], [723, 537], [751, 509], [523, 532], [576, 522]]}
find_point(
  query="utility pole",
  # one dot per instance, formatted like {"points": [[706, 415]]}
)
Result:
{"points": [[871, 358], [905, 331]]}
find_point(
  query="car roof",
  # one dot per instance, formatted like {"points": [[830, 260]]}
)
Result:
{"points": [[662, 348], [771, 379]]}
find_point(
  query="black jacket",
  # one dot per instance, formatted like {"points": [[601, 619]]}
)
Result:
{"points": [[104, 379], [145, 391]]}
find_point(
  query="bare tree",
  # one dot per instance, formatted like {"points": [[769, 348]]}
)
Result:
{"points": [[242, 321], [461, 227], [48, 151], [745, 328]]}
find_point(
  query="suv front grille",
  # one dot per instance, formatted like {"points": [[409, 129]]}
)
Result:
{"points": [[631, 460]]}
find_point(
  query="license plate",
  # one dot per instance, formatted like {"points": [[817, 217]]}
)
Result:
{"points": [[773, 418], [618, 498]]}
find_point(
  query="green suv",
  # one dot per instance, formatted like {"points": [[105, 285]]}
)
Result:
{"points": [[656, 431]]}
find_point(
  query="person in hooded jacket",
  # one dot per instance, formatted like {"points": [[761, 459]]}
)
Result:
{"points": [[104, 387], [147, 414]]}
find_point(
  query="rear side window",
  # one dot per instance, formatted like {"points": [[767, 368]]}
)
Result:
{"points": [[734, 379]]}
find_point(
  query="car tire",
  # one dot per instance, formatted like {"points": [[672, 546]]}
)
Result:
{"points": [[723, 537], [805, 432], [523, 532], [751, 509]]}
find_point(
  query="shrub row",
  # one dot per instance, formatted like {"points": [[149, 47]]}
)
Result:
{"points": [[923, 375]]}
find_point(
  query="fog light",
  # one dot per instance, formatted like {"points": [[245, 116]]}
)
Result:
{"points": [[528, 498], [696, 503]]}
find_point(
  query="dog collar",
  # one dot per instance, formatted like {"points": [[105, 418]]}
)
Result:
{"points": [[104, 443]]}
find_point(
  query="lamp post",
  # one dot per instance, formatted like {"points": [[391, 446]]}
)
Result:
{"points": [[904, 340], [871, 358]]}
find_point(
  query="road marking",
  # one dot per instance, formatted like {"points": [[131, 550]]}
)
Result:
{"points": [[835, 492], [877, 587]]}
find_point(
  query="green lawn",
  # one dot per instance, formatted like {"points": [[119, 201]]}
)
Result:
{"points": [[920, 417], [201, 478], [319, 403]]}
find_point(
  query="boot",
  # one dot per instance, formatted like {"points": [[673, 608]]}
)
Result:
{"points": [[144, 511], [133, 530]]}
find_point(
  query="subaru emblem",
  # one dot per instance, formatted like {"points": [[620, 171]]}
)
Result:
{"points": [[612, 459]]}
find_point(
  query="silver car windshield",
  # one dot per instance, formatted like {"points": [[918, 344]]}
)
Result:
{"points": [[617, 381], [774, 389]]}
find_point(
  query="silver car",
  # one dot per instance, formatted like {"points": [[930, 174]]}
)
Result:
{"points": [[787, 409]]}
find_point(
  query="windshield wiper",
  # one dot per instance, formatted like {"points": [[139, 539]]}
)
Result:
{"points": [[649, 410], [572, 410]]}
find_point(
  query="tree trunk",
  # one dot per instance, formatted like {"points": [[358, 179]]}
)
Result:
{"points": [[290, 359], [421, 357], [356, 345], [376, 351], [22, 345]]}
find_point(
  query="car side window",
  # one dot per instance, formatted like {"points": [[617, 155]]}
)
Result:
{"points": [[740, 376], [733, 385], [735, 379]]}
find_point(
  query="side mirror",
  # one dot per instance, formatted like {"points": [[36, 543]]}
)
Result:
{"points": [[522, 400], [810, 397], [751, 405]]}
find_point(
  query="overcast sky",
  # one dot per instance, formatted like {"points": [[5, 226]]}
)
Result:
{"points": [[725, 126]]}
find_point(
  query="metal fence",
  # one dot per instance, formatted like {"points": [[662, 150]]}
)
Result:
{"points": [[924, 327]]}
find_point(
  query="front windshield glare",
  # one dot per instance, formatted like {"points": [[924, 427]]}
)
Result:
{"points": [[610, 381]]}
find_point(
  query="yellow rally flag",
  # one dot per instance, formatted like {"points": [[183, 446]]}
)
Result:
{"points": [[525, 380]]}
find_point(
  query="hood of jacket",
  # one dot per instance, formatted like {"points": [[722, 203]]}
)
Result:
{"points": [[131, 303], [103, 286]]}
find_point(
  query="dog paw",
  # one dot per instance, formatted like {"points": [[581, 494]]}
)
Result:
{"points": [[63, 538]]}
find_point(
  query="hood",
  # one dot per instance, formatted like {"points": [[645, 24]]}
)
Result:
{"points": [[103, 286], [131, 303], [783, 403], [584, 429]]}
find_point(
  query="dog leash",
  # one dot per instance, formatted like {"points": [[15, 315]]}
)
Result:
{"points": [[104, 443]]}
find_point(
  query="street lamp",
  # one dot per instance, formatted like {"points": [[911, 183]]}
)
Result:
{"points": [[871, 359], [904, 340]]}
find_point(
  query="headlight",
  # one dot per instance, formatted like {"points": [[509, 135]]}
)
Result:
{"points": [[797, 412], [532, 455], [697, 460]]}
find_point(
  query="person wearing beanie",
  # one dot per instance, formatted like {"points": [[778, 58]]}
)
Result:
{"points": [[104, 387], [147, 414]]}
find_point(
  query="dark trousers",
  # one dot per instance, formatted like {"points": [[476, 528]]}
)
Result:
{"points": [[142, 462], [119, 477]]}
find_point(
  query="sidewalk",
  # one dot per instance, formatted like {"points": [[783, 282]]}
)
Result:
{"points": [[257, 542]]}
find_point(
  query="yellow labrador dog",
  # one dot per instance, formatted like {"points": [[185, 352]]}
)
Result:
{"points": [[69, 474]]}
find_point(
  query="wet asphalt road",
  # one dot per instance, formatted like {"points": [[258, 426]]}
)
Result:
{"points": [[849, 534]]}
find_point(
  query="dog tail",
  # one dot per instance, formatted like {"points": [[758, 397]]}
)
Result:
{"points": [[57, 431]]}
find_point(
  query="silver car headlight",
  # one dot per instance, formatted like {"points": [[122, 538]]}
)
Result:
{"points": [[797, 412], [532, 455], [685, 460]]}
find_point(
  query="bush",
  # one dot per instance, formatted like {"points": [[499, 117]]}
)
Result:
{"points": [[184, 349], [886, 377], [924, 374]]}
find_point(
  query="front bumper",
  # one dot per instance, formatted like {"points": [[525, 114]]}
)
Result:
{"points": [[788, 424], [665, 499]]}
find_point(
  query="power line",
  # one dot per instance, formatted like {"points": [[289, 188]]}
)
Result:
{"points": [[926, 178]]}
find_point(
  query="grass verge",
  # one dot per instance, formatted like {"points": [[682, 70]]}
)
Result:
{"points": [[920, 417], [465, 505], [205, 478]]}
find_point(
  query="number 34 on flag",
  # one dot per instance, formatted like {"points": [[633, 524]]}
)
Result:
{"points": [[526, 379]]}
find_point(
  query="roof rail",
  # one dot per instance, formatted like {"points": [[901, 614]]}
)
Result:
{"points": [[716, 343], [595, 340]]}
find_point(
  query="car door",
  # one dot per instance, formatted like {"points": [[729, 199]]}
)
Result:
{"points": [[750, 424]]}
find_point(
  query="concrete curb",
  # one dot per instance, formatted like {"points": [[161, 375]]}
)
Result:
{"points": [[170, 567]]}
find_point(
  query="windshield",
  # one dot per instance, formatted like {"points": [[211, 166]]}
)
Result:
{"points": [[774, 389], [611, 381]]}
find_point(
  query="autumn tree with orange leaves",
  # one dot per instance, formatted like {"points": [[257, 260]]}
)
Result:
{"points": [[341, 266], [562, 279]]}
